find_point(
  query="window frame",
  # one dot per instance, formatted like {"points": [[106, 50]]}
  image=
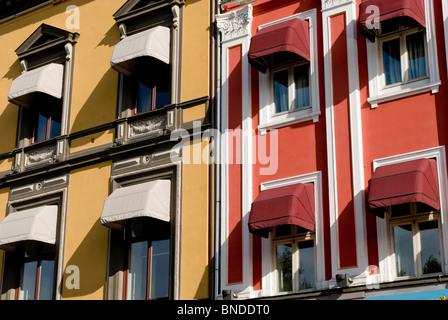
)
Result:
{"points": [[294, 238], [379, 94], [268, 119], [385, 260], [129, 240], [269, 281], [402, 35], [36, 258], [413, 219], [291, 88]]}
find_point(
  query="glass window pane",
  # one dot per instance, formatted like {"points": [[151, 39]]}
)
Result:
{"points": [[281, 95], [415, 44], [391, 61], [144, 101], [162, 99], [137, 271], [41, 128], [46, 280], [160, 268], [28, 281], [284, 267], [302, 86], [404, 256], [430, 251], [306, 265], [55, 128]]}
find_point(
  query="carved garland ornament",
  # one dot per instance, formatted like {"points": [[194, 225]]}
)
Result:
{"points": [[235, 23], [40, 155], [148, 125]]}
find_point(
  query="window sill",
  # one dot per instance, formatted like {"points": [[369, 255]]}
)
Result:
{"points": [[287, 120], [403, 91]]}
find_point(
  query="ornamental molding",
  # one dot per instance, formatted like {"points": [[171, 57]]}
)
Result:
{"points": [[330, 4], [147, 126], [41, 155], [235, 24]]}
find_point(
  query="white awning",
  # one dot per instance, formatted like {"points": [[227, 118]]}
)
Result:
{"points": [[154, 42], [149, 199], [47, 79], [38, 224]]}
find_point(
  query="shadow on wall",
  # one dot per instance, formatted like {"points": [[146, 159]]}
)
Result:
{"points": [[90, 258], [92, 112]]}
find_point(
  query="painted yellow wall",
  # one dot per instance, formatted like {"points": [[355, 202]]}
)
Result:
{"points": [[94, 82], [195, 224], [92, 140], [4, 195], [194, 113], [195, 50], [6, 164], [86, 239]]}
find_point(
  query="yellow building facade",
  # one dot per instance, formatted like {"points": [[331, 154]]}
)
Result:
{"points": [[103, 106]]}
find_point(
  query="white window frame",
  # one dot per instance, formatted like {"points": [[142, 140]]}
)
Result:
{"points": [[413, 220], [402, 35], [379, 93], [269, 274], [291, 88], [268, 118], [293, 239], [387, 260]]}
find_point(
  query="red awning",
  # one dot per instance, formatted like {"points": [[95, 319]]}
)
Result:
{"points": [[389, 9], [412, 181], [285, 205], [290, 36]]}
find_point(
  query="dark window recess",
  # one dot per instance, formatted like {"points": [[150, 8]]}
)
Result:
{"points": [[9, 8]]}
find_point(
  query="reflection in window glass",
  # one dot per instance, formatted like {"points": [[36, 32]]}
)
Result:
{"points": [[281, 96], [160, 268], [28, 281], [391, 61], [284, 267], [306, 265], [415, 44], [302, 86], [430, 251], [404, 256], [46, 280], [138, 258]]}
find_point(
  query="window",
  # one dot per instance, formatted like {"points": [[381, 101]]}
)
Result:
{"points": [[144, 55], [37, 265], [415, 240], [150, 96], [291, 88], [45, 119], [404, 57], [148, 259], [294, 258], [43, 90]]}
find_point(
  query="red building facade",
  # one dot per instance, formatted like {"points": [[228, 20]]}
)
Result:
{"points": [[332, 179]]}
